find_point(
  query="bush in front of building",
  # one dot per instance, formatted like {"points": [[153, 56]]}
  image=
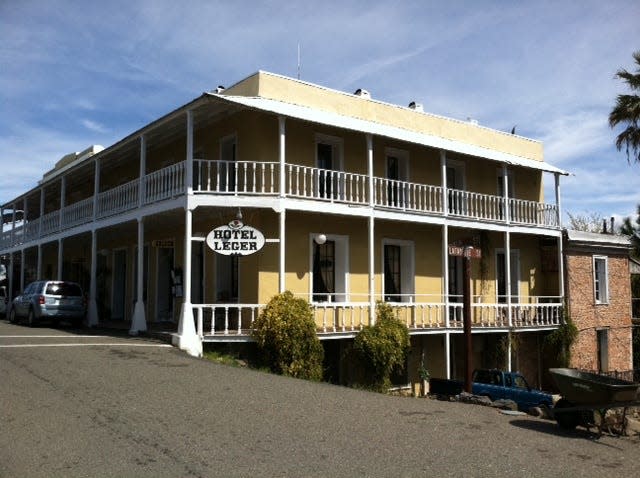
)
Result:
{"points": [[558, 343], [382, 347], [285, 333]]}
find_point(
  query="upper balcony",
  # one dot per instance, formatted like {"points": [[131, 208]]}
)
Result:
{"points": [[252, 178]]}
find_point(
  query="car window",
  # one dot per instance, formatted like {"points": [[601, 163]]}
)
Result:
{"points": [[507, 380], [29, 288], [63, 288], [520, 382]]}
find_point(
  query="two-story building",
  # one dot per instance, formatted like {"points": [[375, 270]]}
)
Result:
{"points": [[357, 201]]}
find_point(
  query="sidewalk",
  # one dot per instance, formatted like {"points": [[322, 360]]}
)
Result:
{"points": [[157, 330]]}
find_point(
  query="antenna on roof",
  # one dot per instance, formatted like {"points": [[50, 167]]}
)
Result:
{"points": [[298, 60]]}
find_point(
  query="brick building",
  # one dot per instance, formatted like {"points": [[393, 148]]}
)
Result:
{"points": [[599, 300]]}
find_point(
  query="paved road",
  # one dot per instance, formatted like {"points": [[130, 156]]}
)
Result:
{"points": [[131, 407]]}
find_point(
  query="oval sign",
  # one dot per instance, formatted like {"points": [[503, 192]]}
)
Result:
{"points": [[235, 239]]}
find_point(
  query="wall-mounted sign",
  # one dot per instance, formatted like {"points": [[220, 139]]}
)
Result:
{"points": [[235, 239]]}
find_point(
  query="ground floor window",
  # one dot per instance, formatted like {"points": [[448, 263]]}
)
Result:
{"points": [[324, 272], [603, 350]]}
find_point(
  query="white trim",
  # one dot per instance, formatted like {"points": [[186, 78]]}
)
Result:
{"points": [[407, 265], [335, 142], [607, 295], [342, 276]]}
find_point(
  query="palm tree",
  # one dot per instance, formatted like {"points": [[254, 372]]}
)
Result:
{"points": [[633, 231], [627, 112]]}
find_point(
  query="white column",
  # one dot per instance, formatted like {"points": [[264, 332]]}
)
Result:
{"points": [[282, 251], [22, 256], [39, 264], [60, 252], [10, 275], [187, 339], [443, 174], [558, 203], [63, 193], [282, 155], [505, 193], [282, 214], [41, 215], [371, 234], [92, 312], [561, 267], [139, 322], [143, 169], [96, 187], [189, 164], [445, 291], [507, 266]]}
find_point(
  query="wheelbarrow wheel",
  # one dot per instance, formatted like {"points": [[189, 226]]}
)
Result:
{"points": [[567, 420]]}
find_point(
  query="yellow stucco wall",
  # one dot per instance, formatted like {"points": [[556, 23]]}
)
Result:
{"points": [[280, 88]]}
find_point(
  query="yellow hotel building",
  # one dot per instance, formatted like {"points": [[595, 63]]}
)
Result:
{"points": [[357, 200]]}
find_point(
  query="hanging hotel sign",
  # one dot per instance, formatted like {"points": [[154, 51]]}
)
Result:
{"points": [[235, 239]]}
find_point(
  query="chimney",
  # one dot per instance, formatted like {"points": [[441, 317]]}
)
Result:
{"points": [[219, 89], [362, 93], [604, 226], [612, 222]]}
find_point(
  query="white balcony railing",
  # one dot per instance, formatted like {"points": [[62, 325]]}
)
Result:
{"points": [[119, 199], [222, 320], [80, 212], [407, 196], [326, 185], [303, 182], [236, 177], [164, 183]]}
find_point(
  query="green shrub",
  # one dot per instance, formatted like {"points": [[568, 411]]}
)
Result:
{"points": [[558, 343], [382, 347], [286, 336]]}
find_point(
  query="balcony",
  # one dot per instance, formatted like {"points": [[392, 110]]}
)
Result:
{"points": [[235, 321], [246, 178]]}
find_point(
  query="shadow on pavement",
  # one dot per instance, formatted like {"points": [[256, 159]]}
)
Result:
{"points": [[551, 428]]}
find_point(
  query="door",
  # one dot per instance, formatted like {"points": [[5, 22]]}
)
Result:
{"points": [[392, 273], [226, 279], [397, 176], [119, 284], [164, 292]]}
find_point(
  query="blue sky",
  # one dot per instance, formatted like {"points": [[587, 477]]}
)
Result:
{"points": [[76, 73]]}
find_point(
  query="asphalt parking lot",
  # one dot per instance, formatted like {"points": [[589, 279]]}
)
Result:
{"points": [[81, 404]]}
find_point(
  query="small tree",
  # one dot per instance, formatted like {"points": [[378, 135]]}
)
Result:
{"points": [[382, 347], [286, 336], [587, 222], [558, 343]]}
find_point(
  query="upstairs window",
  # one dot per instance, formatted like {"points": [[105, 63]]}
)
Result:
{"points": [[600, 280]]}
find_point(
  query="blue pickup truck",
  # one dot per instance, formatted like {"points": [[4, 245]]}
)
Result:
{"points": [[497, 384]]}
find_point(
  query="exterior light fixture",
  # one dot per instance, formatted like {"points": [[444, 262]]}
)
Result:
{"points": [[320, 239]]}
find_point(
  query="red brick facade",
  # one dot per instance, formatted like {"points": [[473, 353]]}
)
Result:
{"points": [[612, 318]]}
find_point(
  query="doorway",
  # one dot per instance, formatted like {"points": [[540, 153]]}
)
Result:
{"points": [[164, 294], [119, 284]]}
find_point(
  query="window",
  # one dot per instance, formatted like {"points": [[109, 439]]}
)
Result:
{"points": [[328, 161], [603, 350], [600, 280], [455, 184], [324, 272], [392, 276], [398, 262], [396, 174], [329, 264]]}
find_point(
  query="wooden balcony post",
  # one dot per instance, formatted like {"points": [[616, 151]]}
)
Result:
{"points": [[282, 155], [443, 169], [143, 171], [96, 186], [189, 162]]}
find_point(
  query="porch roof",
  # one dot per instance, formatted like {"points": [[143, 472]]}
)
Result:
{"points": [[355, 124]]}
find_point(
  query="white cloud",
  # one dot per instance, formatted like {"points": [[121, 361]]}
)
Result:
{"points": [[93, 126]]}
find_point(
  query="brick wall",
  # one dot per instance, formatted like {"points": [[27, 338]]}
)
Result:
{"points": [[589, 316]]}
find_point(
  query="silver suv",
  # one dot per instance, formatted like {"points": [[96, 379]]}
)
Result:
{"points": [[49, 300]]}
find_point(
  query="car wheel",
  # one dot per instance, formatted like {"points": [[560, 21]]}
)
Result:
{"points": [[31, 319], [12, 316]]}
